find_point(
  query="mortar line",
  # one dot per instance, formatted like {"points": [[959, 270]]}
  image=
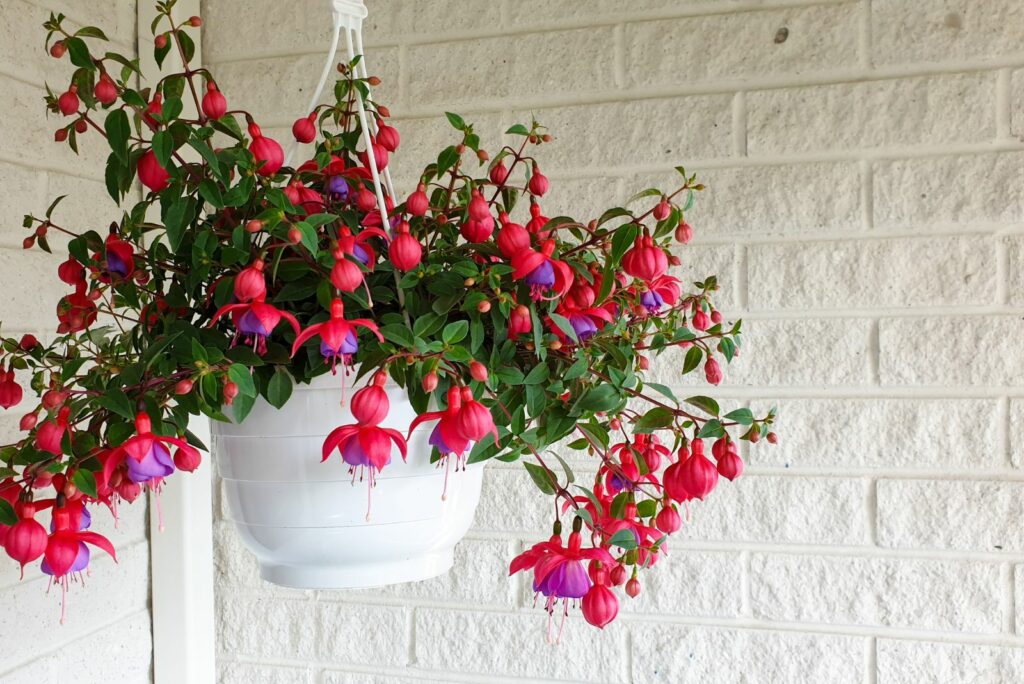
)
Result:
{"points": [[739, 124], [864, 37], [871, 661], [874, 353], [867, 194], [1004, 427], [746, 568], [619, 55], [871, 510], [1004, 104]]}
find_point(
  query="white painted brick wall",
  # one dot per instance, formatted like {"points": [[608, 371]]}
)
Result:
{"points": [[107, 637], [866, 217]]}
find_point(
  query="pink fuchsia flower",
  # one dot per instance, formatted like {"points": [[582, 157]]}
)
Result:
{"points": [[9, 492], [339, 338], [585, 322], [512, 238], [693, 476], [250, 284], [365, 445], [405, 251], [644, 260], [308, 200], [51, 432], [712, 371], [267, 152], [418, 203], [446, 436], [600, 606], [10, 390], [25, 540], [76, 311], [118, 261], [146, 456], [559, 573], [475, 421], [537, 221], [66, 550], [542, 273], [254, 321], [660, 291]]}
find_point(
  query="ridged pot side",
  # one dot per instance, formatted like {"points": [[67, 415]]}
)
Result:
{"points": [[308, 522]]}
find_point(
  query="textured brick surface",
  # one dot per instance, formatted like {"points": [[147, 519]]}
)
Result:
{"points": [[900, 112], [937, 595], [885, 434], [867, 274], [929, 514], [914, 662]]}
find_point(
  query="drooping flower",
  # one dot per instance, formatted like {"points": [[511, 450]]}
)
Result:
{"points": [[10, 390], [693, 476], [645, 260], [520, 321], [475, 420], [558, 571], [365, 445], [76, 311], [119, 260], [66, 551], [267, 152], [661, 291], [542, 273], [338, 336], [145, 455], [600, 606], [254, 321]]}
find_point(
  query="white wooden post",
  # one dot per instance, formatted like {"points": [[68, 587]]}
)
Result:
{"points": [[182, 553]]}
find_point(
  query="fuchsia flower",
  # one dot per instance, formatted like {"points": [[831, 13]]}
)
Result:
{"points": [[119, 261], [520, 321], [693, 476], [66, 549], [645, 260], [661, 291], [308, 200], [146, 455], [558, 571], [512, 238], [599, 605], [446, 436], [253, 318], [542, 273], [10, 390], [338, 337], [365, 445]]}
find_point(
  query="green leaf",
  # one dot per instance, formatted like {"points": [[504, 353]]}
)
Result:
{"points": [[600, 398], [649, 192], [624, 539], [692, 360], [398, 334], [279, 389], [241, 376], [518, 129], [613, 213], [663, 390], [115, 400], [706, 404], [565, 326], [743, 416], [646, 508], [455, 332], [79, 53], [538, 374], [622, 241], [657, 418], [712, 428], [310, 240], [118, 131], [457, 122], [91, 32], [542, 477], [7, 514], [211, 159], [446, 159], [85, 481]]}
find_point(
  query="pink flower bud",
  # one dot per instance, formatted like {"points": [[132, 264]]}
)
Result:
{"points": [[712, 371], [661, 210], [214, 103], [388, 138], [478, 371], [617, 575], [370, 405], [430, 382], [418, 202], [538, 185], [28, 421], [633, 587], [684, 233], [304, 128], [600, 606], [730, 466], [668, 520], [187, 459], [499, 173], [68, 102], [701, 321]]}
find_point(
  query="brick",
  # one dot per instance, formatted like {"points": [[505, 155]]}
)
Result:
{"points": [[31, 289], [277, 90], [642, 132], [695, 49], [866, 274], [904, 112], [922, 662], [768, 509], [479, 576], [514, 504], [121, 652], [117, 19], [958, 191], [366, 635], [1017, 433], [531, 66], [87, 205], [700, 261], [943, 31], [887, 592], [777, 200], [542, 13], [827, 351], [24, 193], [950, 351], [943, 514], [330, 677], [1018, 594], [260, 673], [267, 28], [705, 654], [932, 434], [510, 644], [111, 590], [445, 17], [293, 633], [691, 583]]}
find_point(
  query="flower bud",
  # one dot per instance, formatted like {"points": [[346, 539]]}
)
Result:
{"points": [[430, 382], [661, 210], [712, 371], [633, 587], [484, 306], [684, 233], [183, 386], [478, 371], [230, 392], [253, 226], [28, 421], [58, 49], [28, 342]]}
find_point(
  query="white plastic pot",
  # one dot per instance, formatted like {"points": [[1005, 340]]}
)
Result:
{"points": [[307, 522]]}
